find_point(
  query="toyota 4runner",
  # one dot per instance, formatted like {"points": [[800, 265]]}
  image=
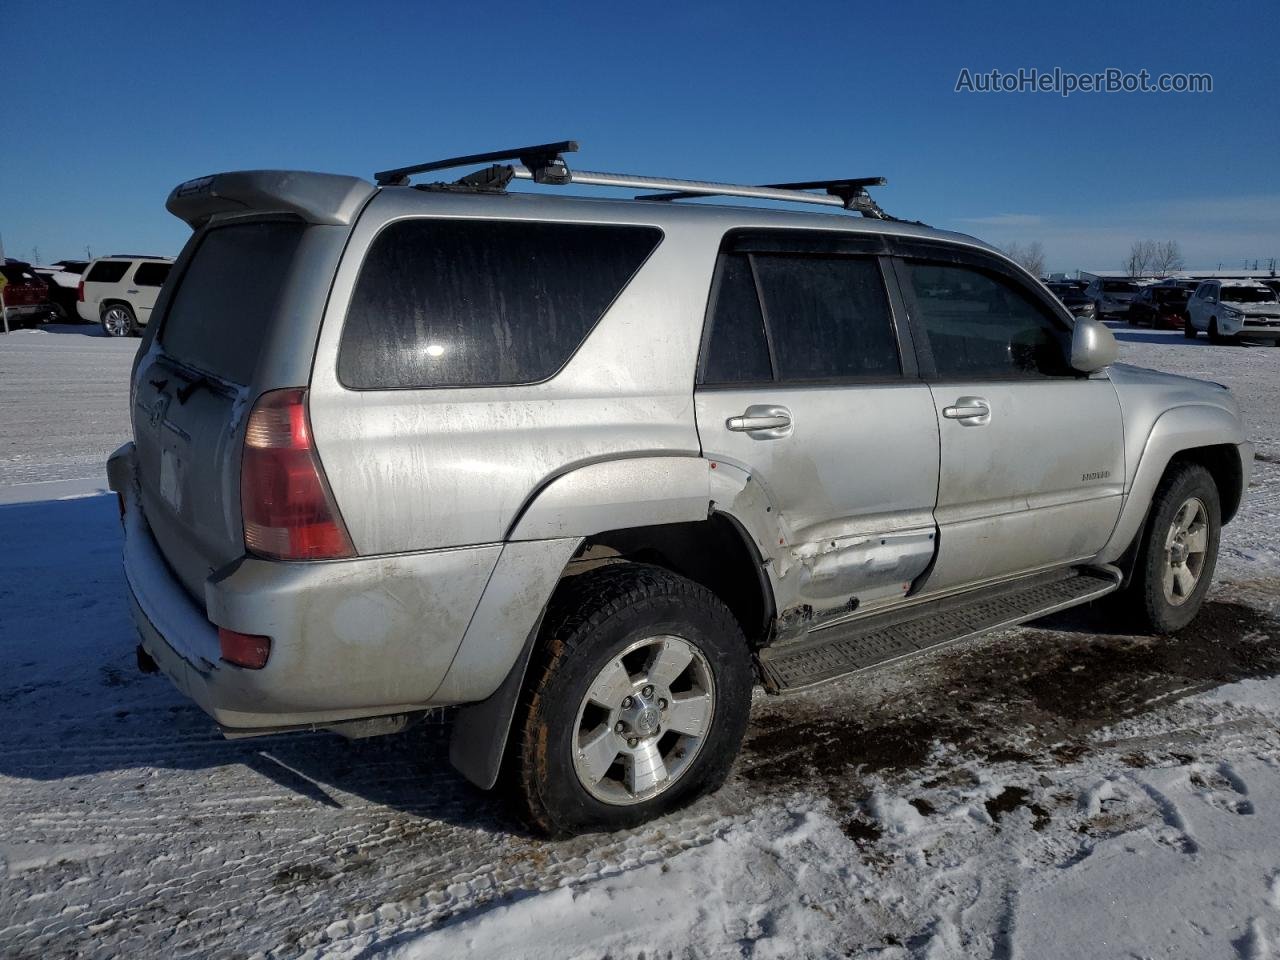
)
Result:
{"points": [[589, 469]]}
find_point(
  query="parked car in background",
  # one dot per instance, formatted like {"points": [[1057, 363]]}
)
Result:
{"points": [[63, 277], [585, 468], [1273, 283], [120, 292], [1111, 298], [1160, 307], [1232, 310], [26, 296], [1073, 297]]}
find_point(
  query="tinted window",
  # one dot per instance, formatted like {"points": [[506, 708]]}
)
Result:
{"points": [[227, 295], [151, 274], [981, 325], [107, 271], [829, 317], [737, 351], [481, 302], [1248, 294], [1118, 286]]}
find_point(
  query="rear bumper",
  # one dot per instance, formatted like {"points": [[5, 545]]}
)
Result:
{"points": [[88, 311], [350, 639]]}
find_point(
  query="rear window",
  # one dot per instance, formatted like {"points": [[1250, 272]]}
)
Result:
{"points": [[107, 271], [151, 274], [1118, 286], [227, 295], [452, 303]]}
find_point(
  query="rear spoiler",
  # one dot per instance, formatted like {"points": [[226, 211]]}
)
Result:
{"points": [[315, 197]]}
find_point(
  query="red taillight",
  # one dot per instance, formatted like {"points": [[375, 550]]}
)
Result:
{"points": [[288, 511], [80, 291], [244, 649]]}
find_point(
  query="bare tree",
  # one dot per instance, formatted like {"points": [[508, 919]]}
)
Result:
{"points": [[1167, 258], [1031, 257], [1141, 256]]}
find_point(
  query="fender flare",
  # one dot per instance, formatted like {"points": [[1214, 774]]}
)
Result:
{"points": [[1175, 431], [593, 498]]}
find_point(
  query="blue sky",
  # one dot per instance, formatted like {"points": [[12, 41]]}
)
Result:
{"points": [[110, 105]]}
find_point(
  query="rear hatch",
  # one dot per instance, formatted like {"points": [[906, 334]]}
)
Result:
{"points": [[239, 301]]}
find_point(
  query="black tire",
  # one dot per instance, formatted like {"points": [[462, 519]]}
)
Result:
{"points": [[1188, 330], [1145, 596], [1215, 336], [118, 320], [592, 619]]}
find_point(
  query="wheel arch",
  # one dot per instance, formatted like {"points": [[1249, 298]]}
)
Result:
{"points": [[653, 509], [1199, 433]]}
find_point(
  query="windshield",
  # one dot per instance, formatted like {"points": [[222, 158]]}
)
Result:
{"points": [[1248, 295]]}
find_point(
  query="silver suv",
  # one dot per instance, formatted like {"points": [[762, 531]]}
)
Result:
{"points": [[590, 469]]}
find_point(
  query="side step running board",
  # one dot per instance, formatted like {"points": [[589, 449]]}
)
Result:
{"points": [[840, 650]]}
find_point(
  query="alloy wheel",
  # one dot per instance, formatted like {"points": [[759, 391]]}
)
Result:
{"points": [[643, 720]]}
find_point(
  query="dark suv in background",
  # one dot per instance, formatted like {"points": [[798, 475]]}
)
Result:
{"points": [[1158, 306], [1072, 295]]}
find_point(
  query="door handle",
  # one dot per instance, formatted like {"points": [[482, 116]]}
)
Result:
{"points": [[744, 423], [969, 410]]}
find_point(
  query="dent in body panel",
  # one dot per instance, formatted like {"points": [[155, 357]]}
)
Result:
{"points": [[817, 580]]}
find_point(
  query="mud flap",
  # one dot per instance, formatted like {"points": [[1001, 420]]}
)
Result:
{"points": [[480, 730]]}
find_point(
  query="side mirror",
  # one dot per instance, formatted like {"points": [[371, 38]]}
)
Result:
{"points": [[1093, 346]]}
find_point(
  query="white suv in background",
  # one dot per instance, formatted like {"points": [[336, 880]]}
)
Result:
{"points": [[1230, 310], [120, 291]]}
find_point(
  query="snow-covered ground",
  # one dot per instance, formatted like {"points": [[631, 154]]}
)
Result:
{"points": [[1057, 791]]}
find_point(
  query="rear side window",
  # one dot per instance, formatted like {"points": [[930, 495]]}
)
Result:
{"points": [[226, 297], [980, 325], [737, 351], [107, 271], [829, 317], [455, 303], [823, 318], [151, 274]]}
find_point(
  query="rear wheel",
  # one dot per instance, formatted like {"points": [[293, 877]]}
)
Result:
{"points": [[118, 321], [638, 704], [1178, 550]]}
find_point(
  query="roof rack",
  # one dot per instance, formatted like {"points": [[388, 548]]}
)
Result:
{"points": [[544, 163]]}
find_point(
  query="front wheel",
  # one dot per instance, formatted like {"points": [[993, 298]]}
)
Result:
{"points": [[1188, 329], [1178, 550], [637, 705]]}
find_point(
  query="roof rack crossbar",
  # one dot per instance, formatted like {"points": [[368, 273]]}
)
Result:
{"points": [[544, 159], [544, 163], [850, 193], [691, 188]]}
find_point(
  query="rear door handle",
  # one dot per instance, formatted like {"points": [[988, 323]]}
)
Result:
{"points": [[773, 421], [969, 410]]}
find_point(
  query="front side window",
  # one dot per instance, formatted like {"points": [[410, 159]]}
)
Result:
{"points": [[459, 303], [979, 324]]}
